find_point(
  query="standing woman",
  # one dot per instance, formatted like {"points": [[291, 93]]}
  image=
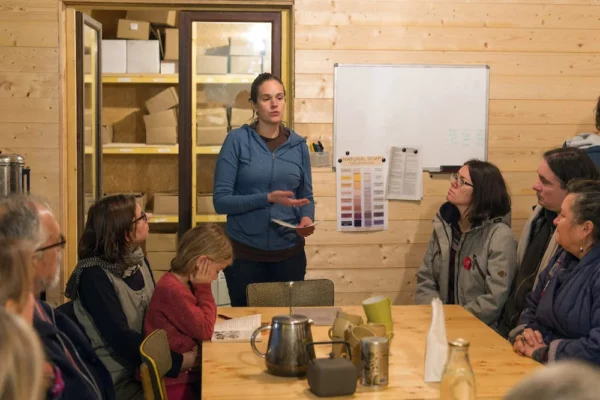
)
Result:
{"points": [[111, 288], [472, 253], [263, 172]]}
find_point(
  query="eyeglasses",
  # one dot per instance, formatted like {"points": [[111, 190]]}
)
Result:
{"points": [[459, 180], [143, 217], [61, 242]]}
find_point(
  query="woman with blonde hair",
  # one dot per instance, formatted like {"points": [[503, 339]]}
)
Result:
{"points": [[22, 366], [183, 304]]}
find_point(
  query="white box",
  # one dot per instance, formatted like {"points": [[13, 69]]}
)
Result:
{"points": [[169, 67], [220, 291], [143, 56], [114, 56]]}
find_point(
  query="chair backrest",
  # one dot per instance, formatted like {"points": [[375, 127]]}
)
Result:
{"points": [[156, 362], [309, 293]]}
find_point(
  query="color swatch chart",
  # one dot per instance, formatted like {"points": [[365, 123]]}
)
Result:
{"points": [[361, 198]]}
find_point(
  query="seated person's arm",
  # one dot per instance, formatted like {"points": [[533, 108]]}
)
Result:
{"points": [[427, 286], [502, 266], [100, 299]]}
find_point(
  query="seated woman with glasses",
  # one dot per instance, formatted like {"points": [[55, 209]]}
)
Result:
{"points": [[562, 315], [111, 288], [472, 254], [183, 304]]}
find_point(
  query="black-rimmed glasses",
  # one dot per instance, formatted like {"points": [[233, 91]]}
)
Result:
{"points": [[143, 217], [61, 243], [459, 180]]}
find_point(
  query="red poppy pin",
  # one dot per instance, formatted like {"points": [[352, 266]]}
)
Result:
{"points": [[467, 263]]}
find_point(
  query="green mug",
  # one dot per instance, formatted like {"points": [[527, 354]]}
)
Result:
{"points": [[378, 309]]}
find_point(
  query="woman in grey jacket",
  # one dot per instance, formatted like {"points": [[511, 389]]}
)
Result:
{"points": [[472, 253]]}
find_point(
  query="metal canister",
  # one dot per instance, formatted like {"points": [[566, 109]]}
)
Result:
{"points": [[375, 353]]}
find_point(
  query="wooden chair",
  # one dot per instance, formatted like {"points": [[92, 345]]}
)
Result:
{"points": [[156, 362], [309, 293]]}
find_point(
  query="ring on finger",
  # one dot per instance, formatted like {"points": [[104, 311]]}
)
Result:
{"points": [[523, 340]]}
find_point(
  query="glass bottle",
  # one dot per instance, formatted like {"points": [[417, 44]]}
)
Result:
{"points": [[458, 380]]}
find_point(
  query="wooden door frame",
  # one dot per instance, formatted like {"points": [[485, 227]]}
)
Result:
{"points": [[67, 89]]}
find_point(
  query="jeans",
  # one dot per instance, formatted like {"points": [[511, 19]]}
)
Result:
{"points": [[242, 273]]}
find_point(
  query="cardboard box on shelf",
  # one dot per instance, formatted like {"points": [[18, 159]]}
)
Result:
{"points": [[159, 260], [163, 119], [107, 133], [165, 100], [166, 203], [161, 242], [243, 47], [245, 65], [241, 116], [143, 57], [171, 45], [165, 135], [211, 64], [114, 56], [87, 63], [242, 100], [205, 205], [140, 198], [158, 17], [211, 116], [210, 135], [132, 29], [169, 67]]}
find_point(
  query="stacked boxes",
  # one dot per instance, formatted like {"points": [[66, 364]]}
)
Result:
{"points": [[160, 250], [161, 122]]}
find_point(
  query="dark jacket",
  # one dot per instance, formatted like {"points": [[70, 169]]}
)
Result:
{"points": [[565, 307], [90, 380]]}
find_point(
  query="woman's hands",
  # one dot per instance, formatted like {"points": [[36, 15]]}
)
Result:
{"points": [[205, 272], [528, 342], [303, 229], [285, 198], [190, 359]]}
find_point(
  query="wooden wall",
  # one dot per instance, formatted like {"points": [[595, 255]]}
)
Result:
{"points": [[544, 77], [544, 81], [29, 92]]}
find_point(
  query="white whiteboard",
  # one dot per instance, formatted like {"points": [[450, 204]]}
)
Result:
{"points": [[441, 109]]}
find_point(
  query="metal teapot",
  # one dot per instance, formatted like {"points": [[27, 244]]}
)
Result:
{"points": [[14, 177], [287, 354]]}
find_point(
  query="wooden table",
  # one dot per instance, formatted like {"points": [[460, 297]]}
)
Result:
{"points": [[233, 371]]}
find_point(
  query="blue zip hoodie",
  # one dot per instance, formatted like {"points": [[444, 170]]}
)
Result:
{"points": [[246, 173]]}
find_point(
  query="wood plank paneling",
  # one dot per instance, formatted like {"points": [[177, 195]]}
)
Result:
{"points": [[30, 85], [400, 298], [502, 87], [32, 135], [19, 10], [509, 112], [29, 59], [29, 109], [317, 61], [520, 136], [363, 280], [357, 256], [445, 14], [507, 3], [357, 37], [18, 34]]}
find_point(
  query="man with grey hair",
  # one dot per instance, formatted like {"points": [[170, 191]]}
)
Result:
{"points": [[77, 373], [563, 380]]}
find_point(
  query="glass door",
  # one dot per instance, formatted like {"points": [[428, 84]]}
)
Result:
{"points": [[221, 54], [89, 114]]}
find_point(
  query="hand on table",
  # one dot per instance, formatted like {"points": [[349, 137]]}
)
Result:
{"points": [[528, 342]]}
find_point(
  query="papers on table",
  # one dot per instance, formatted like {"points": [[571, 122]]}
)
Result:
{"points": [[237, 329]]}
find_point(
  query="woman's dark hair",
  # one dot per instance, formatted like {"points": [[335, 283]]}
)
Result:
{"points": [[109, 221], [586, 206], [571, 163], [260, 79], [490, 197]]}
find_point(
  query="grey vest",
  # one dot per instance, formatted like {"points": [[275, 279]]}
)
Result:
{"points": [[134, 305]]}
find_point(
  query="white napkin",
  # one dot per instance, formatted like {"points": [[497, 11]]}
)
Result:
{"points": [[436, 349]]}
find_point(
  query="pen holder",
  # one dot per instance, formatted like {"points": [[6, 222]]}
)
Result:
{"points": [[320, 159]]}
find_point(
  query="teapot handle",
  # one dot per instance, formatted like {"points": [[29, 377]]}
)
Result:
{"points": [[312, 344], [253, 340]]}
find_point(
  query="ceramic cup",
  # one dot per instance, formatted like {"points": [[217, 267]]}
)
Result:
{"points": [[378, 309], [356, 320]]}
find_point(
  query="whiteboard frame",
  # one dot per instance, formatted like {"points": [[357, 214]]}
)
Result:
{"points": [[335, 110]]}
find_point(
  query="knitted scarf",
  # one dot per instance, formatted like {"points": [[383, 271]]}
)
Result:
{"points": [[132, 262]]}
